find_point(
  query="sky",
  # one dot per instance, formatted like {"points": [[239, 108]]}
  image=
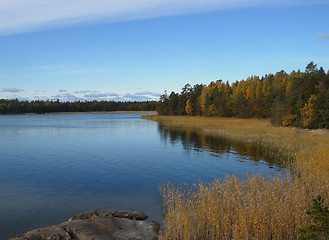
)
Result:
{"points": [[134, 50]]}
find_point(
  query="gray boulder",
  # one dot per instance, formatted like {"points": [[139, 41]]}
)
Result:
{"points": [[98, 225]]}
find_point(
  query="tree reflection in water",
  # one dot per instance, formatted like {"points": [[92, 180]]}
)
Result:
{"points": [[195, 140]]}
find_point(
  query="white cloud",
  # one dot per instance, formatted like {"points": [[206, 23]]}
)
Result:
{"points": [[134, 97], [83, 91], [148, 93], [30, 15], [119, 99], [101, 95], [81, 95], [66, 97], [41, 98]]}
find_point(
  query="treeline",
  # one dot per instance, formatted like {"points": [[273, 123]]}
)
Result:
{"points": [[298, 99], [20, 107]]}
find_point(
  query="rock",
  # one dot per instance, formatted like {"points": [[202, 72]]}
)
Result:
{"points": [[98, 225], [132, 215]]}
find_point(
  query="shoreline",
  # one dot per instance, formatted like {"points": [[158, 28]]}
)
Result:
{"points": [[282, 202], [98, 112]]}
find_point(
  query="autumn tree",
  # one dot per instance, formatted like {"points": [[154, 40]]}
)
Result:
{"points": [[188, 108], [308, 113], [298, 99]]}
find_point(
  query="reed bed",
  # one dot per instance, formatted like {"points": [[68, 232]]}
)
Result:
{"points": [[253, 207]]}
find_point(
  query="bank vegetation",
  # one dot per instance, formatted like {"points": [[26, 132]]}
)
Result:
{"points": [[298, 99], [253, 207], [15, 106]]}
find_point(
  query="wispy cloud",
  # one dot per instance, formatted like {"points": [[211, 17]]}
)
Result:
{"points": [[146, 93], [29, 15], [12, 90], [36, 97], [81, 95], [134, 97], [83, 91], [66, 97], [323, 36], [101, 95]]}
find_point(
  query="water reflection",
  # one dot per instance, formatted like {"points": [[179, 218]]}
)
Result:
{"points": [[194, 140], [55, 166]]}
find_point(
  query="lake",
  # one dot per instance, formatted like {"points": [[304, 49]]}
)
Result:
{"points": [[55, 166]]}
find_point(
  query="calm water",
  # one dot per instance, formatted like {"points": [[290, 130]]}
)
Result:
{"points": [[55, 166]]}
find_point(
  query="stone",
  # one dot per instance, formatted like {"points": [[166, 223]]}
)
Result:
{"points": [[98, 225]]}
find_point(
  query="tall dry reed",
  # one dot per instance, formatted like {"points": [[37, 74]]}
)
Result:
{"points": [[254, 207]]}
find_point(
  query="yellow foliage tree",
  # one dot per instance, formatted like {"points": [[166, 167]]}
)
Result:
{"points": [[266, 87], [202, 100], [288, 119], [308, 112], [188, 108]]}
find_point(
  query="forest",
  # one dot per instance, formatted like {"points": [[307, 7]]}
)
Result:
{"points": [[20, 107], [299, 99]]}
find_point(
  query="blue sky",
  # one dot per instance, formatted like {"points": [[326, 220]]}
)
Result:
{"points": [[134, 50]]}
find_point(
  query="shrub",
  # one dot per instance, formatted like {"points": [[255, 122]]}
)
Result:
{"points": [[320, 215]]}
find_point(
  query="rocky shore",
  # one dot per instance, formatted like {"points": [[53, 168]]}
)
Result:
{"points": [[98, 225]]}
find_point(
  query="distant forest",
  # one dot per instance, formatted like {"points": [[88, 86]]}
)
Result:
{"points": [[299, 99], [21, 107]]}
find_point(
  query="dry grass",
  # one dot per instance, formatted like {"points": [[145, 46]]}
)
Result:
{"points": [[254, 207]]}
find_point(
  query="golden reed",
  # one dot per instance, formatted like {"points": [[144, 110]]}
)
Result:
{"points": [[253, 207]]}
